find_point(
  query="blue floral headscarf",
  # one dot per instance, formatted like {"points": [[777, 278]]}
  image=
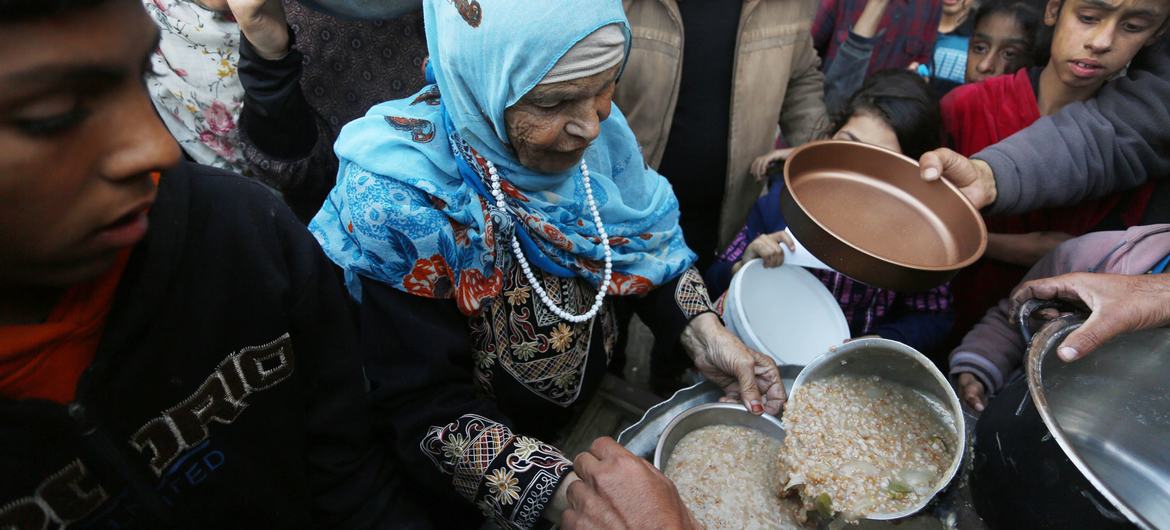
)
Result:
{"points": [[404, 213]]}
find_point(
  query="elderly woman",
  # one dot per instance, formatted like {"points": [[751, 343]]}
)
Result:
{"points": [[487, 226]]}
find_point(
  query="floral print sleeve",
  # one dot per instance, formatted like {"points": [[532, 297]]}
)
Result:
{"points": [[510, 478]]}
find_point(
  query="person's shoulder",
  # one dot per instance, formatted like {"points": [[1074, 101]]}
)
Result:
{"points": [[225, 190], [975, 93], [965, 92], [234, 207]]}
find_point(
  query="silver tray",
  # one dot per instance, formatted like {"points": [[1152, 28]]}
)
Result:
{"points": [[950, 510]]}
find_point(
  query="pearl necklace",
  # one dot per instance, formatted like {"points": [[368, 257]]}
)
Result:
{"points": [[519, 253]]}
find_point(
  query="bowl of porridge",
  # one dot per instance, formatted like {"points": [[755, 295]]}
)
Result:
{"points": [[873, 430], [726, 465]]}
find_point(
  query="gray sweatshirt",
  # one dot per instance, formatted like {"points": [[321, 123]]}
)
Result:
{"points": [[994, 348], [1114, 142]]}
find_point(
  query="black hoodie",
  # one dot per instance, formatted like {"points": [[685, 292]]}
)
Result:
{"points": [[225, 393]]}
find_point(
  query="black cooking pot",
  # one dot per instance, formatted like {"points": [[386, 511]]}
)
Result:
{"points": [[1021, 477]]}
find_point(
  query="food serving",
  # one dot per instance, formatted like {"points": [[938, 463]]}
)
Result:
{"points": [[863, 445], [731, 477]]}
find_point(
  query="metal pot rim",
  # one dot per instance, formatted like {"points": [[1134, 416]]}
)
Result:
{"points": [[1043, 343], [695, 410], [953, 407]]}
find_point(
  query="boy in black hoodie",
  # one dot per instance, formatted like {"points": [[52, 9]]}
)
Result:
{"points": [[199, 374]]}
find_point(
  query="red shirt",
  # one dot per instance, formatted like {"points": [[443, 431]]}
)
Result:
{"points": [[978, 115]]}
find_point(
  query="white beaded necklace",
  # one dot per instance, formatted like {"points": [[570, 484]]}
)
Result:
{"points": [[519, 253]]}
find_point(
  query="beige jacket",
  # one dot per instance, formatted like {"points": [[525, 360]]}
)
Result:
{"points": [[777, 80]]}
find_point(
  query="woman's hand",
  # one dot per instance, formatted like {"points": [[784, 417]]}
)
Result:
{"points": [[746, 375], [759, 166], [262, 22], [972, 393], [767, 248]]}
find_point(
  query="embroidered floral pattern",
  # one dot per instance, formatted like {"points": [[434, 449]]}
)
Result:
{"points": [[525, 447], [529, 344], [691, 294], [525, 351], [502, 484], [518, 295], [453, 447], [561, 337], [509, 478], [484, 359]]}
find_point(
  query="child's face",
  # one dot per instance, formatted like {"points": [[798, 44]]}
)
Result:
{"points": [[999, 45], [78, 140], [1095, 39], [869, 129]]}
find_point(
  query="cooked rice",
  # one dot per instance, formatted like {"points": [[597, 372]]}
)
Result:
{"points": [[872, 446], [730, 477]]}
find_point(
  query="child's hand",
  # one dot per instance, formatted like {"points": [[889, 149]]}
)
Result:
{"points": [[760, 166], [767, 247], [971, 392]]}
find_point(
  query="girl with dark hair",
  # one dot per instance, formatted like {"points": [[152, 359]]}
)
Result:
{"points": [[894, 109], [1005, 40]]}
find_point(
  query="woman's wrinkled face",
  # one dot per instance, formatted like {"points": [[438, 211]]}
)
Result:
{"points": [[550, 127], [79, 138], [866, 128]]}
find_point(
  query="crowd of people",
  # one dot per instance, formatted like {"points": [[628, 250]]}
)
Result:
{"points": [[269, 267]]}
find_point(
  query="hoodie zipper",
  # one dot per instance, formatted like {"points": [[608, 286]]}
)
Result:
{"points": [[106, 459]]}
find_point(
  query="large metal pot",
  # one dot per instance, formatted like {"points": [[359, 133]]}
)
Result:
{"points": [[867, 213], [899, 363], [1079, 445]]}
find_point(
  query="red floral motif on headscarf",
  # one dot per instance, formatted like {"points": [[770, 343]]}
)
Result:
{"points": [[474, 288], [646, 237], [471, 12], [430, 277], [512, 191], [489, 230], [629, 284], [590, 265], [556, 237], [460, 232], [617, 241]]}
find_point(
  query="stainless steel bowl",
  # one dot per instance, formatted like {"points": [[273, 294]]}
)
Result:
{"points": [[712, 414], [899, 363]]}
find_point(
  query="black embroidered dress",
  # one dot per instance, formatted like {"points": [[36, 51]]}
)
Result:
{"points": [[467, 401]]}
